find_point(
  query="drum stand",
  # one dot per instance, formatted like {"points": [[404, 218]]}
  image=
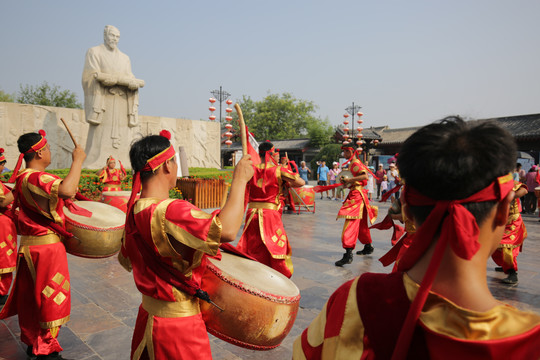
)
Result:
{"points": [[302, 203]]}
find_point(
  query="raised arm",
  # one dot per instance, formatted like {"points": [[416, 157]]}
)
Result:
{"points": [[69, 186], [233, 212]]}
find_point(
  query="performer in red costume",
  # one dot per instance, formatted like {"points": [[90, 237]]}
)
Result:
{"points": [[41, 293], [438, 305], [356, 210], [264, 236], [515, 232], [112, 177], [8, 237], [166, 245]]}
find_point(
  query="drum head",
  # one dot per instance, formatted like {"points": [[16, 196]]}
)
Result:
{"points": [[103, 216], [117, 193], [345, 173], [308, 187], [255, 275]]}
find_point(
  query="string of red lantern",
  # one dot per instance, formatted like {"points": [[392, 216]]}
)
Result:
{"points": [[228, 124]]}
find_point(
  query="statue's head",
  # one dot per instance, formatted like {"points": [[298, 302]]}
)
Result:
{"points": [[111, 36]]}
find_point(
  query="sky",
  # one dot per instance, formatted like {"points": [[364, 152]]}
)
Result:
{"points": [[406, 63]]}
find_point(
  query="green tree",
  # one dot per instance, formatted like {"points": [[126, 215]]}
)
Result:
{"points": [[320, 132], [329, 153], [279, 117], [5, 97], [48, 95]]}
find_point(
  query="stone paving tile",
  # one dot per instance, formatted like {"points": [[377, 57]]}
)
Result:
{"points": [[73, 344], [9, 349], [105, 300], [112, 344], [90, 318]]}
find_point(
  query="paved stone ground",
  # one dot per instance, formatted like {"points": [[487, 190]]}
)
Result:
{"points": [[105, 300]]}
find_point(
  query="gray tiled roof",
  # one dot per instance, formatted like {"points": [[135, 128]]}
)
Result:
{"points": [[521, 127]]}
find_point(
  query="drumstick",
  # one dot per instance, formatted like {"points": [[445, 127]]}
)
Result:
{"points": [[69, 132], [242, 129]]}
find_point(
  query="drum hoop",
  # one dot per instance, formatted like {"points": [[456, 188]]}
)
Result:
{"points": [[93, 228], [262, 294], [238, 342]]}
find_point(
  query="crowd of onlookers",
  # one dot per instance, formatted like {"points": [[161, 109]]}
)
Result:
{"points": [[379, 181]]}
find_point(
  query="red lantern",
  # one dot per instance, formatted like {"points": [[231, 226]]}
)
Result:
{"points": [[346, 129], [359, 135], [228, 134], [360, 129], [345, 142], [229, 101], [345, 115], [212, 108], [212, 100], [228, 126], [228, 142], [346, 122], [212, 117], [359, 114], [376, 141], [359, 121], [229, 110], [228, 118], [345, 136], [359, 149]]}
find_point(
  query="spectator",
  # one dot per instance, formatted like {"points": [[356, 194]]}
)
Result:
{"points": [[304, 171], [370, 184], [334, 172], [393, 179], [530, 199], [384, 185], [516, 172], [322, 176], [379, 174]]}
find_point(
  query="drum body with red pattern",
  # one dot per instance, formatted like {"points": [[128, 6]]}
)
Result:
{"points": [[117, 199], [306, 193], [97, 236], [260, 304]]}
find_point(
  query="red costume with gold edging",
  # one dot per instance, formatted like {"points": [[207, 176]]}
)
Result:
{"points": [[41, 294], [264, 237], [8, 245], [110, 179], [514, 234], [363, 318], [357, 211], [169, 323]]}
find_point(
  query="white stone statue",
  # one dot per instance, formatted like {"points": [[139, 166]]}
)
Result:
{"points": [[111, 99]]}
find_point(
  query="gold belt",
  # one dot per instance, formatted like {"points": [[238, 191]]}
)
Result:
{"points": [[263, 205], [29, 240], [170, 309], [112, 186]]}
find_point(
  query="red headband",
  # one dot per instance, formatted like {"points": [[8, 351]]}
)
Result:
{"points": [[2, 157], [458, 227], [152, 164], [34, 148], [110, 158]]}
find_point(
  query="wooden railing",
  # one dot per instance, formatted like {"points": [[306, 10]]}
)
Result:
{"points": [[203, 193]]}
